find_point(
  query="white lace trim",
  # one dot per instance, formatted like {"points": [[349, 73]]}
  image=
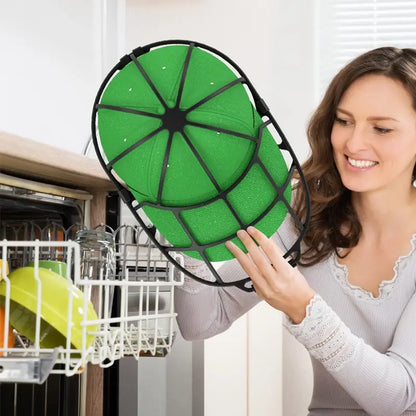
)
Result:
{"points": [[324, 335], [340, 271]]}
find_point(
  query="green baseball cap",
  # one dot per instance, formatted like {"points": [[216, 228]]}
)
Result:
{"points": [[177, 125]]}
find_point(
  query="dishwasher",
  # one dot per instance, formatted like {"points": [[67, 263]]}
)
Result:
{"points": [[90, 316]]}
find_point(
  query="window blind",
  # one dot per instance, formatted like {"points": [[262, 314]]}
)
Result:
{"points": [[348, 28]]}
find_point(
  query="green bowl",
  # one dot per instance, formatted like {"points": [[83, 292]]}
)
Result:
{"points": [[54, 308], [53, 265]]}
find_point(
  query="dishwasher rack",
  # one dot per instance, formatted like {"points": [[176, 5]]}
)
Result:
{"points": [[142, 318]]}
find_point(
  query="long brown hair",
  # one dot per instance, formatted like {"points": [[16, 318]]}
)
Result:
{"points": [[334, 222]]}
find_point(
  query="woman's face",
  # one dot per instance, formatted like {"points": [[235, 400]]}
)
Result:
{"points": [[374, 135]]}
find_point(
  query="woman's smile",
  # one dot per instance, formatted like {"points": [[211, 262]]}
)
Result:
{"points": [[360, 164]]}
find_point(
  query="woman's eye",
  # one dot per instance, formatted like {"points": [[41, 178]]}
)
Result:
{"points": [[382, 130], [341, 121]]}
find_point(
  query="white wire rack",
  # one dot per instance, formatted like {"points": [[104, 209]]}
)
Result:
{"points": [[141, 322]]}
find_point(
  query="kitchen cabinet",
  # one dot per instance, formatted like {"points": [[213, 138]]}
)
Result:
{"points": [[243, 366], [29, 158]]}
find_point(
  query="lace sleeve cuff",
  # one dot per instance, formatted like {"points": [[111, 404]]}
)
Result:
{"points": [[324, 335]]}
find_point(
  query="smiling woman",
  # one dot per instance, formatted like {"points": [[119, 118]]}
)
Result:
{"points": [[352, 299], [374, 136], [372, 100]]}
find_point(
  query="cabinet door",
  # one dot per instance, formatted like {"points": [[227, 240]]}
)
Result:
{"points": [[243, 366]]}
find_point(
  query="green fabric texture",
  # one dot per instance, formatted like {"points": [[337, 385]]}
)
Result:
{"points": [[222, 149]]}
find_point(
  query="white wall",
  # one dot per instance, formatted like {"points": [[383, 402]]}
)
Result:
{"points": [[50, 69]]}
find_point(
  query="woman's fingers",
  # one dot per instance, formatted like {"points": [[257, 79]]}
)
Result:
{"points": [[248, 265], [255, 263], [264, 259], [243, 258], [272, 250], [256, 254], [275, 280]]}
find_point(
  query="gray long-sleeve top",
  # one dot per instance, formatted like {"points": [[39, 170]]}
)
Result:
{"points": [[363, 348]]}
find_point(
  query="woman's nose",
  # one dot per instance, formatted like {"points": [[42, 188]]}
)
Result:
{"points": [[356, 140]]}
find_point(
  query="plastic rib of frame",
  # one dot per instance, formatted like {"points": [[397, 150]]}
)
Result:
{"points": [[293, 253]]}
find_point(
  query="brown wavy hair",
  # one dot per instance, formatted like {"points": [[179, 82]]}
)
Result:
{"points": [[334, 222]]}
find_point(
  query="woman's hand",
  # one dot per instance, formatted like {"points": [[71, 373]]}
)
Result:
{"points": [[275, 280]]}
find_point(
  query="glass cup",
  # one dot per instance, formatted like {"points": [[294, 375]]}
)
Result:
{"points": [[97, 249]]}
